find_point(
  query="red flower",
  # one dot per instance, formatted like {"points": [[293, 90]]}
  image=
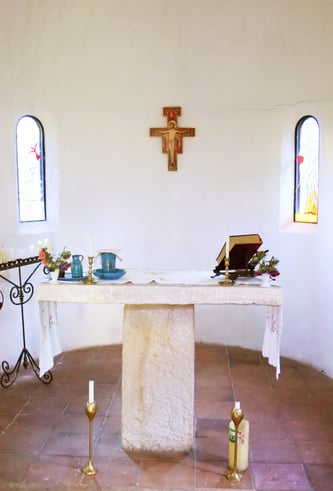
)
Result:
{"points": [[42, 254], [62, 261]]}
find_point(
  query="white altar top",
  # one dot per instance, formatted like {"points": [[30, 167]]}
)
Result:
{"points": [[139, 287], [164, 287]]}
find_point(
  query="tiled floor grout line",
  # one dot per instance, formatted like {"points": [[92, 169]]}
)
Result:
{"points": [[108, 411], [19, 412]]}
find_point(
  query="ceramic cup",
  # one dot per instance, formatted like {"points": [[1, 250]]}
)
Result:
{"points": [[108, 260]]}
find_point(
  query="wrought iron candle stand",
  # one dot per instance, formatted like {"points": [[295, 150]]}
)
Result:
{"points": [[20, 293]]}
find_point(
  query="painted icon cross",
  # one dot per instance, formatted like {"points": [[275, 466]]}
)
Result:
{"points": [[172, 136]]}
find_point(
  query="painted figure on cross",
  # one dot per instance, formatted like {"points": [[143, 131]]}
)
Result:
{"points": [[172, 136]]}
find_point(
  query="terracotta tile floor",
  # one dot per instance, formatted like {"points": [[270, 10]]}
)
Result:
{"points": [[44, 429]]}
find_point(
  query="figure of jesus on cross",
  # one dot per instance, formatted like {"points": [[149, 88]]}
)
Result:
{"points": [[172, 136]]}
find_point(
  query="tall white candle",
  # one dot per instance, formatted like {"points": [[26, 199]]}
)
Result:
{"points": [[90, 248], [31, 251], [91, 391], [47, 244], [39, 246], [3, 255], [227, 246], [21, 254]]}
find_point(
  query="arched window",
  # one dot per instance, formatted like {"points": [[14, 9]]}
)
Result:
{"points": [[306, 170], [30, 169]]}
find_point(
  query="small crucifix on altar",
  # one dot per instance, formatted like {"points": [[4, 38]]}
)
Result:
{"points": [[172, 136]]}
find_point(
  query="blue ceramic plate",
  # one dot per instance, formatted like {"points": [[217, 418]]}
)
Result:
{"points": [[115, 274], [69, 278]]}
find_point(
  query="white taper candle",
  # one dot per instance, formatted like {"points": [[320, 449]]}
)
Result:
{"points": [[3, 255], [227, 246], [46, 244], [91, 392]]}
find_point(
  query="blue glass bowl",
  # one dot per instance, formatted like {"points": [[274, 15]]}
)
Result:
{"points": [[115, 274]]}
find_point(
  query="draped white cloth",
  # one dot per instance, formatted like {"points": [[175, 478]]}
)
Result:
{"points": [[272, 337], [50, 345]]}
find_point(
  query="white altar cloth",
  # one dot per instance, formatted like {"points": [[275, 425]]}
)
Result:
{"points": [[160, 287], [158, 330]]}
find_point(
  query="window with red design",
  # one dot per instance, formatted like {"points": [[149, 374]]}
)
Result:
{"points": [[30, 169], [306, 170]]}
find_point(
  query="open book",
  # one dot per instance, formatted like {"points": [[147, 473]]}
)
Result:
{"points": [[241, 249]]}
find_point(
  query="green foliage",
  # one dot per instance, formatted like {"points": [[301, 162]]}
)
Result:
{"points": [[264, 265]]}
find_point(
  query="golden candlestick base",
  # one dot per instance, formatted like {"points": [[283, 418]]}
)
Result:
{"points": [[89, 469], [234, 476], [227, 281], [90, 280], [90, 408], [236, 416]]}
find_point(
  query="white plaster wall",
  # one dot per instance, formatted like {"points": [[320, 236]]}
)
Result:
{"points": [[97, 74]]}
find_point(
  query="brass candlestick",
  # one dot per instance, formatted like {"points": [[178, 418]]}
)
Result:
{"points": [[227, 281], [90, 280], [236, 416], [90, 408]]}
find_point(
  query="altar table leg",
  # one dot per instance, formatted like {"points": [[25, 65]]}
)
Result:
{"points": [[158, 378]]}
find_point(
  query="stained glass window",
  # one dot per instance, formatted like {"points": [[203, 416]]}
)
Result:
{"points": [[306, 170], [30, 169]]}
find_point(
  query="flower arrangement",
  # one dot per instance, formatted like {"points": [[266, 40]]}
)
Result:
{"points": [[52, 262], [263, 265]]}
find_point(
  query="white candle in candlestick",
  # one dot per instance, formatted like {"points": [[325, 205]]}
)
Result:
{"points": [[227, 247], [91, 391], [3, 255], [47, 244], [39, 246], [31, 252]]}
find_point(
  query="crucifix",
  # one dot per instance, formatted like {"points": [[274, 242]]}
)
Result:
{"points": [[172, 136]]}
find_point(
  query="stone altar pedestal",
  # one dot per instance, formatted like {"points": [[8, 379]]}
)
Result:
{"points": [[158, 378]]}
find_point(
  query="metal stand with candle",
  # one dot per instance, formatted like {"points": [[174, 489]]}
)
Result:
{"points": [[90, 280], [236, 416], [227, 281], [91, 409]]}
